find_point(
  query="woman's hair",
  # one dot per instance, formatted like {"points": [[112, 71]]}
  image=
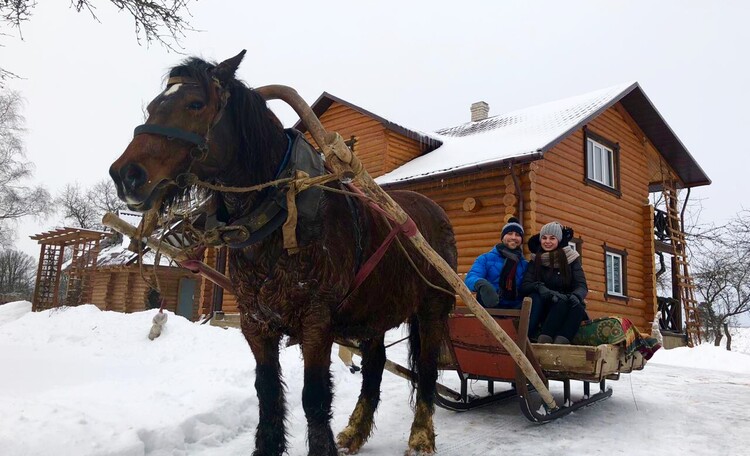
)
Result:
{"points": [[557, 258]]}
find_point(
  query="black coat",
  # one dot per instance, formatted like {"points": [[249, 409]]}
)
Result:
{"points": [[552, 279]]}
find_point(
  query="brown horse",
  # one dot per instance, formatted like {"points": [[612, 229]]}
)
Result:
{"points": [[209, 124]]}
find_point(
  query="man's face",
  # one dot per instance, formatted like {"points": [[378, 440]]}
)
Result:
{"points": [[512, 240]]}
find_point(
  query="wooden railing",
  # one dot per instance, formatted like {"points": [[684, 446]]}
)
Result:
{"points": [[670, 314]]}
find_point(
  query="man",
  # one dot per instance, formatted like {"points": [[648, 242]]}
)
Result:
{"points": [[496, 275]]}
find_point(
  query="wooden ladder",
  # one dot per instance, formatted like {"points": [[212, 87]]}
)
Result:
{"points": [[685, 282]]}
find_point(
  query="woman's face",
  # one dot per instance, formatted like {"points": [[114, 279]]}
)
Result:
{"points": [[549, 243]]}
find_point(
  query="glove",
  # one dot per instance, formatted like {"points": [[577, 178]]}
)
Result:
{"points": [[544, 292], [487, 294], [558, 297], [574, 300]]}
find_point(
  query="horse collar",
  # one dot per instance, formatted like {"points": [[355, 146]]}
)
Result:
{"points": [[271, 212]]}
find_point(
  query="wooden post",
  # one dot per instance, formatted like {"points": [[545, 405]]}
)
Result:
{"points": [[342, 161]]}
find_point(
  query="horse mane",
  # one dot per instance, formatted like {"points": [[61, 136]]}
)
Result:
{"points": [[259, 131]]}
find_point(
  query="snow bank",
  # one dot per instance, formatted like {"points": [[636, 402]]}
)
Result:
{"points": [[83, 381], [79, 381]]}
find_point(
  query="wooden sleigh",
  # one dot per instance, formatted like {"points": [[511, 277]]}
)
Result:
{"points": [[475, 354], [478, 346]]}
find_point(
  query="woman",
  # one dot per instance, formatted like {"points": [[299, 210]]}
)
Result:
{"points": [[556, 283]]}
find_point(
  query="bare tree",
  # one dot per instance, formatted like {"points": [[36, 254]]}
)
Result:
{"points": [[161, 21], [84, 208], [16, 274], [76, 207], [103, 196], [17, 199], [722, 277]]}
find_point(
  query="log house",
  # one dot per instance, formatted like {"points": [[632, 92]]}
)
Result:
{"points": [[591, 162]]}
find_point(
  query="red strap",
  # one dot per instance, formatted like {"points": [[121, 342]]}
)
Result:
{"points": [[409, 228]]}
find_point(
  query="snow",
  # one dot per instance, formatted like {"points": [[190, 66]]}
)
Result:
{"points": [[80, 381], [513, 135]]}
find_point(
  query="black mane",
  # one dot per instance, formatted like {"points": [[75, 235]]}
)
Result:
{"points": [[260, 133]]}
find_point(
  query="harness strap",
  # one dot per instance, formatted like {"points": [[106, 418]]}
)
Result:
{"points": [[409, 228], [171, 132]]}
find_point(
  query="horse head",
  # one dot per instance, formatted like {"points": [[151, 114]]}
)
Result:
{"points": [[205, 123]]}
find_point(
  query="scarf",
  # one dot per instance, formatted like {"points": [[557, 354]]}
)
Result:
{"points": [[508, 289], [570, 255]]}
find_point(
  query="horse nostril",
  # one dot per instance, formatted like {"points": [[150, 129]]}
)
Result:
{"points": [[133, 176]]}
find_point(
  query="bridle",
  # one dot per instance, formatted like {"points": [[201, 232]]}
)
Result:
{"points": [[200, 151]]}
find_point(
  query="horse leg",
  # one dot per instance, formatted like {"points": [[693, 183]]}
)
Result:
{"points": [[424, 342], [270, 436], [317, 393], [359, 429]]}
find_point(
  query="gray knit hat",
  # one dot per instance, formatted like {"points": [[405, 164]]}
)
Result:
{"points": [[552, 229]]}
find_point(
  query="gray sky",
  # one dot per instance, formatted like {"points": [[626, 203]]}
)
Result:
{"points": [[419, 63]]}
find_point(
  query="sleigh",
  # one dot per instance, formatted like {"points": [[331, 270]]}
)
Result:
{"points": [[478, 345], [475, 355]]}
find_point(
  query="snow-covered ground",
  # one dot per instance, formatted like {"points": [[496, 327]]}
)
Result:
{"points": [[79, 381]]}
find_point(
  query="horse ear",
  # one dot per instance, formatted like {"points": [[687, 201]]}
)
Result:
{"points": [[224, 71]]}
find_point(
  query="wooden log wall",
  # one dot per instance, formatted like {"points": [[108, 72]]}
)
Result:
{"points": [[600, 217], [371, 135], [475, 205], [122, 289]]}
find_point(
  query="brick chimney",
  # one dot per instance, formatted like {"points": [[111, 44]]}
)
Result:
{"points": [[479, 111]]}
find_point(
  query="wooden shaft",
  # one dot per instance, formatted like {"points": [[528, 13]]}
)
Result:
{"points": [[116, 223], [341, 160], [121, 226]]}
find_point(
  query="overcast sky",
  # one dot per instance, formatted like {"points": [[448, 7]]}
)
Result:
{"points": [[419, 63]]}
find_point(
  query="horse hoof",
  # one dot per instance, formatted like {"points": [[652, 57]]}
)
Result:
{"points": [[346, 451], [415, 452]]}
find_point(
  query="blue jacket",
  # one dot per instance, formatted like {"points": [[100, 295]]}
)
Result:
{"points": [[489, 265]]}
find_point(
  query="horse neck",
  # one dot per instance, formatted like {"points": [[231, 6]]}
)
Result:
{"points": [[262, 167]]}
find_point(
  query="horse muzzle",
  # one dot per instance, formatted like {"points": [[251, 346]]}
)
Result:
{"points": [[134, 187]]}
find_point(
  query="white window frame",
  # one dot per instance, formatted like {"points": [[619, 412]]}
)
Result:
{"points": [[614, 282], [600, 161]]}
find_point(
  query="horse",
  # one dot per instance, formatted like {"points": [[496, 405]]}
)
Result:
{"points": [[210, 125]]}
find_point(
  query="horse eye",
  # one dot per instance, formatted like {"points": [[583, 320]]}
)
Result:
{"points": [[196, 105]]}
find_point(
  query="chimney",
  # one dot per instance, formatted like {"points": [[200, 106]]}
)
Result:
{"points": [[479, 111]]}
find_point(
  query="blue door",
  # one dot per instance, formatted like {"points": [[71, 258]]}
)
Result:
{"points": [[186, 297]]}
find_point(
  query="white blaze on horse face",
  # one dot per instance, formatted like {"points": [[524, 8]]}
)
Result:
{"points": [[172, 89]]}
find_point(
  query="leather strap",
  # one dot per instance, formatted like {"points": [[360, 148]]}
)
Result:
{"points": [[171, 132]]}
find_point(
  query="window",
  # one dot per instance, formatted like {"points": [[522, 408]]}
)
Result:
{"points": [[615, 263], [601, 158], [576, 244]]}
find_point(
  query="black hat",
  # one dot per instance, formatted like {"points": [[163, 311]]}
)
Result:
{"points": [[513, 225]]}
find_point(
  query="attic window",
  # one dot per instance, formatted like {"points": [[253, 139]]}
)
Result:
{"points": [[602, 162]]}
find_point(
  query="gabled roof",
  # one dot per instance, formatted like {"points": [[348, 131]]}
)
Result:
{"points": [[526, 134], [321, 105]]}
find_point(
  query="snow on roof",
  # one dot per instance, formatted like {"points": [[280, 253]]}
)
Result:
{"points": [[119, 255], [526, 133]]}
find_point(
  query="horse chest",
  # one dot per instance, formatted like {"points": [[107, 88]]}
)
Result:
{"points": [[276, 295]]}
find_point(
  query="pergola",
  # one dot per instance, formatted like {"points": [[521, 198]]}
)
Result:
{"points": [[85, 244]]}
